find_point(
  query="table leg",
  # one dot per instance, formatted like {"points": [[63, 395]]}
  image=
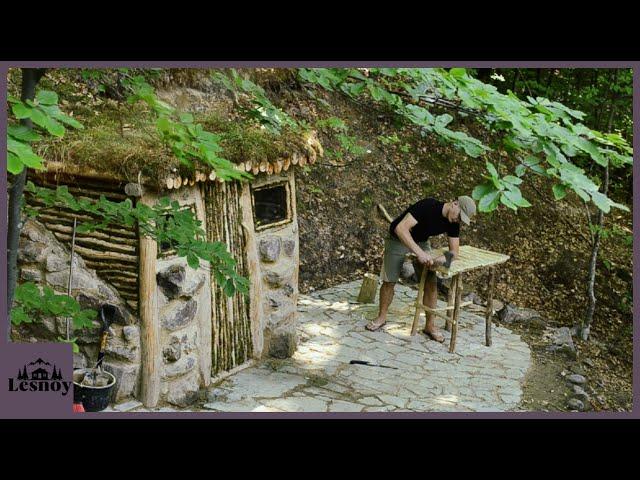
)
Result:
{"points": [[451, 295], [416, 316], [489, 314], [456, 313]]}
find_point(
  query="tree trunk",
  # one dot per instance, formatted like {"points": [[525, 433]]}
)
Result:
{"points": [[585, 328], [30, 78]]}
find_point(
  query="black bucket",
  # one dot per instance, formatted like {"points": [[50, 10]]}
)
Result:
{"points": [[93, 399]]}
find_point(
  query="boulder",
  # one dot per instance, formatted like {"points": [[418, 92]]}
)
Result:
{"points": [[269, 249], [510, 314], [178, 314], [562, 342]]}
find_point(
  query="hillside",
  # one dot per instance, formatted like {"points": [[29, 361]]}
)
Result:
{"points": [[378, 161]]}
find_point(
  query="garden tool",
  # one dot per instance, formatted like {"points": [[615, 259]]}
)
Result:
{"points": [[92, 378], [362, 362]]}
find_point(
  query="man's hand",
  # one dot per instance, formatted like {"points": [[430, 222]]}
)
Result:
{"points": [[425, 259]]}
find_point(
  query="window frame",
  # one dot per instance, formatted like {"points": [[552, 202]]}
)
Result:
{"points": [[289, 215]]}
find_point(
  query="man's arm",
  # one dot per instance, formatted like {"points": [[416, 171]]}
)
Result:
{"points": [[403, 231], [454, 246]]}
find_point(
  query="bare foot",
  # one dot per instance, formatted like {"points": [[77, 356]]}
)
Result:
{"points": [[376, 324], [434, 334]]}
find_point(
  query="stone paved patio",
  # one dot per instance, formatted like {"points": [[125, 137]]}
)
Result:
{"points": [[319, 378]]}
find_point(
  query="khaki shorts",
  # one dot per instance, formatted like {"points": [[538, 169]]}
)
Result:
{"points": [[394, 255]]}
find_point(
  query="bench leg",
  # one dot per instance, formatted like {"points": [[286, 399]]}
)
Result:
{"points": [[456, 312], [489, 314], [416, 316], [451, 295]]}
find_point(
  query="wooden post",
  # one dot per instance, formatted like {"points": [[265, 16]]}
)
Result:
{"points": [[489, 314], [450, 301], [456, 313], [368, 289], [149, 321], [419, 308]]}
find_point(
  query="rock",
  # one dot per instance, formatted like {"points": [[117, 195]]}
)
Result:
{"points": [[126, 379], [287, 290], [172, 352], [120, 350], [289, 247], [473, 298], [588, 362], [510, 314], [79, 361], [185, 391], [576, 379], [30, 275], [282, 345], [57, 264], [575, 404], [580, 394], [270, 249], [120, 314], [131, 334], [176, 369], [274, 302], [562, 342], [170, 280], [276, 279], [282, 317], [127, 406], [178, 314]]}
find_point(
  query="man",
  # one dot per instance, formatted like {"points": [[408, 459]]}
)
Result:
{"points": [[411, 231]]}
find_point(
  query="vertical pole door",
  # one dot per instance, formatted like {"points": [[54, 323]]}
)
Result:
{"points": [[232, 343]]}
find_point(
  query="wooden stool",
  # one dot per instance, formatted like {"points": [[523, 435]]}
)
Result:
{"points": [[470, 258], [450, 313]]}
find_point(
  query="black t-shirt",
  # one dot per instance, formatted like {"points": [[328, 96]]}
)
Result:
{"points": [[428, 213]]}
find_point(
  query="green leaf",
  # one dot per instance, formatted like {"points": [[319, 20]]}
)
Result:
{"points": [[559, 191], [458, 72], [492, 170], [18, 316], [72, 122], [32, 160], [513, 180], [520, 170], [601, 201], [515, 196], [23, 133], [229, 289], [482, 190], [192, 260], [47, 97], [14, 165], [39, 118], [54, 127], [489, 202], [186, 118], [20, 110], [508, 203]]}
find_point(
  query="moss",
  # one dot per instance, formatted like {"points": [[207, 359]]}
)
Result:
{"points": [[122, 139]]}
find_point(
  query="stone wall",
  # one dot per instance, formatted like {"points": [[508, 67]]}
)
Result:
{"points": [[278, 253], [184, 313], [45, 260]]}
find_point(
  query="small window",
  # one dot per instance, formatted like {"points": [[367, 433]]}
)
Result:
{"points": [[271, 206]]}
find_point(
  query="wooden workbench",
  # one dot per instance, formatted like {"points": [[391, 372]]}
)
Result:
{"points": [[469, 259]]}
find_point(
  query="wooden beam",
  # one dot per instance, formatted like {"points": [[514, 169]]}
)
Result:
{"points": [[489, 314], [149, 320], [456, 313]]}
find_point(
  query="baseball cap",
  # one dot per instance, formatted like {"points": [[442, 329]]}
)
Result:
{"points": [[467, 208]]}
